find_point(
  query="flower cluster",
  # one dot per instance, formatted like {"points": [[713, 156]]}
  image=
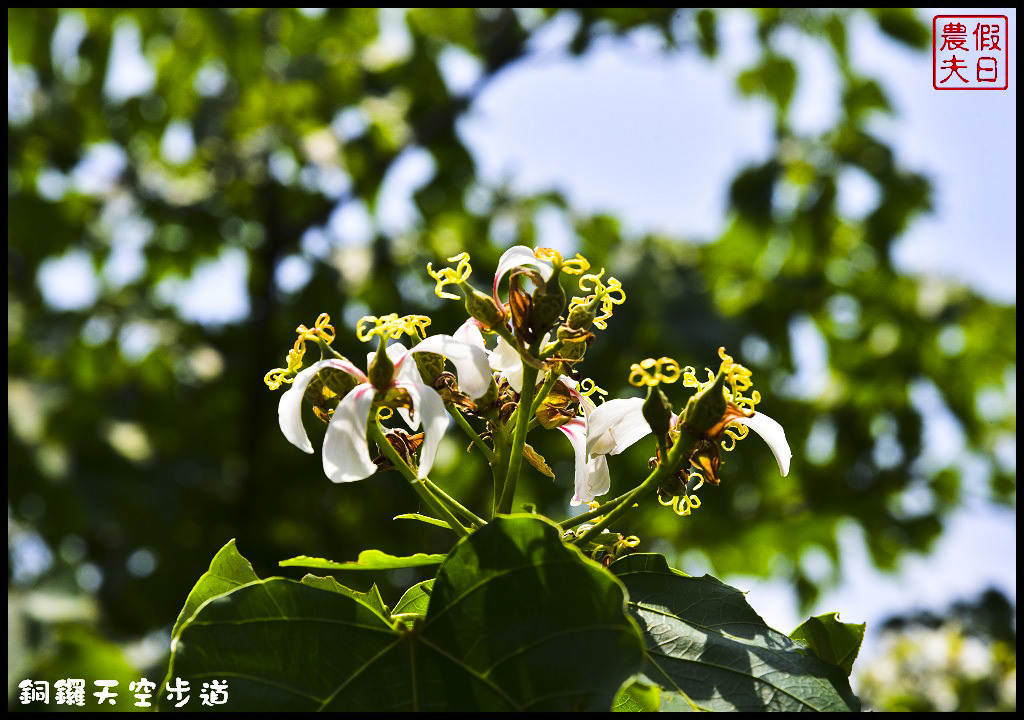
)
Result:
{"points": [[505, 387]]}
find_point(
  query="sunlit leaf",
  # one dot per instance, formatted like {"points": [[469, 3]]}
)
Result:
{"points": [[707, 649], [835, 642], [368, 560]]}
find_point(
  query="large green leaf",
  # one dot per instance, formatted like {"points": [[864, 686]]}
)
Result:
{"points": [[708, 650], [516, 620]]}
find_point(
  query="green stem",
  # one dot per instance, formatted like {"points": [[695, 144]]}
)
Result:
{"points": [[500, 463], [377, 435], [453, 503], [515, 460], [549, 382], [643, 488], [671, 461], [463, 423], [591, 514], [324, 347]]}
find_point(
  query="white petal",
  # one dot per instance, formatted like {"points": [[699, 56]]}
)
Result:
{"points": [[428, 408], [505, 360], [576, 431], [599, 479], [615, 425], [773, 434], [518, 256], [469, 333], [470, 362], [345, 455], [289, 408]]}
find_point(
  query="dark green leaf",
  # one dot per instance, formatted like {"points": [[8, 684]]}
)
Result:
{"points": [[516, 621], [368, 560], [708, 649], [833, 641]]}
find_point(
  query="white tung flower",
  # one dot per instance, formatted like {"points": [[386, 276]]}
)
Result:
{"points": [[617, 424], [605, 430], [345, 454]]}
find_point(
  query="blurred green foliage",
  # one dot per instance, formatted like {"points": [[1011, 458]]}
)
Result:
{"points": [[964, 660], [130, 467]]}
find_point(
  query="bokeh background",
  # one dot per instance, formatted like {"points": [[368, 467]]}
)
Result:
{"points": [[186, 186]]}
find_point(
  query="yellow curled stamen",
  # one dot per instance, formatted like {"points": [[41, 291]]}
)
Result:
{"points": [[590, 278], [323, 328], [392, 327], [384, 413], [684, 504], [451, 276], [415, 326], [576, 266], [666, 502], [588, 387], [275, 377], [608, 295], [363, 330], [550, 255], [651, 372], [631, 542]]}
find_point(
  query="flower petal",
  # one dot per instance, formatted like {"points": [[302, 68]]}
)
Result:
{"points": [[599, 480], [469, 333], [428, 408], [470, 362], [615, 425], [505, 360], [289, 408], [576, 431], [345, 455], [773, 434], [518, 256]]}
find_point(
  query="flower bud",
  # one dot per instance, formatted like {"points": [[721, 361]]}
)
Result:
{"points": [[707, 408], [548, 304], [581, 316], [430, 365], [481, 307], [381, 372], [657, 411]]}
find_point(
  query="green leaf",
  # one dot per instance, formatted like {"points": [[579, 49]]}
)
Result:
{"points": [[416, 598], [638, 695], [368, 560], [228, 570], [833, 641], [371, 598], [516, 620], [709, 650], [423, 518]]}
